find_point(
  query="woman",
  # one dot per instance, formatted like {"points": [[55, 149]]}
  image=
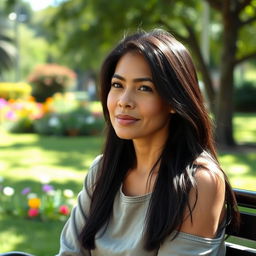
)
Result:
{"points": [[158, 188]]}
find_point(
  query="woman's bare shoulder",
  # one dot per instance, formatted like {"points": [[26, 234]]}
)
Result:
{"points": [[207, 198]]}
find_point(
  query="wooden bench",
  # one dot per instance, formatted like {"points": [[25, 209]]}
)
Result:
{"points": [[247, 229]]}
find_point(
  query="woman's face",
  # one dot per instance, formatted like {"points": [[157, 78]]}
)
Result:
{"points": [[136, 109]]}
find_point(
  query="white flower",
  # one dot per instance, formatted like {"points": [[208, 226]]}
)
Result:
{"points": [[51, 192], [44, 179], [8, 191], [68, 193], [31, 195], [54, 121]]}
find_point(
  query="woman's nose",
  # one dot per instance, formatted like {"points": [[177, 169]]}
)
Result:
{"points": [[126, 100]]}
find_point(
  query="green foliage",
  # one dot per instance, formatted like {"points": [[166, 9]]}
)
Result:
{"points": [[77, 122], [23, 125], [49, 79], [245, 96], [79, 26], [34, 50], [7, 52], [14, 90], [80, 121]]}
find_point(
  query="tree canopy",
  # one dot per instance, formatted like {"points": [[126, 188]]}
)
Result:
{"points": [[86, 30]]}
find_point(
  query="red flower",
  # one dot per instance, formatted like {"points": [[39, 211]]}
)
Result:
{"points": [[64, 210], [33, 212]]}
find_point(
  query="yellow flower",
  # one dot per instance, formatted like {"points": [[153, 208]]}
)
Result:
{"points": [[34, 203]]}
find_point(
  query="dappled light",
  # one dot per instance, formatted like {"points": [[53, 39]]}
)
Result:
{"points": [[241, 169]]}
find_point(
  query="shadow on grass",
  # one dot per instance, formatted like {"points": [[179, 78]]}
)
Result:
{"points": [[62, 144]]}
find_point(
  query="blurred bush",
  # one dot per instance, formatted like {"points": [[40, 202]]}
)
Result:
{"points": [[48, 79], [244, 97], [9, 90]]}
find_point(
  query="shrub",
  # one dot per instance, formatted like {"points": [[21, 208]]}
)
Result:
{"points": [[59, 115], [244, 97], [14, 90], [50, 124], [50, 78], [80, 121]]}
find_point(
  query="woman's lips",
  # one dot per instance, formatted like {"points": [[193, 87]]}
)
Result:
{"points": [[126, 119]]}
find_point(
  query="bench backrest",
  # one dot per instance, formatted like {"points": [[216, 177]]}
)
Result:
{"points": [[247, 229]]}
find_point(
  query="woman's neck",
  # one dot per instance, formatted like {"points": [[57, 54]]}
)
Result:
{"points": [[147, 155]]}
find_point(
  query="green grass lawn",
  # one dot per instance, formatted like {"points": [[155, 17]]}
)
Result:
{"points": [[28, 159]]}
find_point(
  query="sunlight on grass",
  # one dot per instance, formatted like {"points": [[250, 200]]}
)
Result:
{"points": [[245, 127], [241, 169], [13, 239], [95, 106], [35, 237], [8, 139], [47, 158], [250, 74]]}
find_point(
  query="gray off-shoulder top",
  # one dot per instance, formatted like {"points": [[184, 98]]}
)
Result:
{"points": [[124, 233]]}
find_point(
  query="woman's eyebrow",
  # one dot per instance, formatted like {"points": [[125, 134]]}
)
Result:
{"points": [[139, 79]]}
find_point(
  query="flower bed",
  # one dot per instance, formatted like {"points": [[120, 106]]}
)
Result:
{"points": [[47, 204], [62, 114]]}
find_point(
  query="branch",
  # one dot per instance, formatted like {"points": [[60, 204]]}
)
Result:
{"points": [[246, 57], [216, 4], [248, 21], [202, 65]]}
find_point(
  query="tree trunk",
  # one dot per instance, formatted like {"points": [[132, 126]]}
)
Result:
{"points": [[224, 106]]}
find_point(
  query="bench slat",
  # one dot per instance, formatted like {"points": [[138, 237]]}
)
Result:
{"points": [[246, 198], [239, 250]]}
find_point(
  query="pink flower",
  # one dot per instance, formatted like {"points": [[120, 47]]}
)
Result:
{"points": [[3, 103], [10, 115], [64, 210], [33, 212]]}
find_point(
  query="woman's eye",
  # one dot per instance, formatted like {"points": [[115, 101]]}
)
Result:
{"points": [[145, 88], [116, 85]]}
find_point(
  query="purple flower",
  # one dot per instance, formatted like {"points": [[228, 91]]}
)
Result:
{"points": [[25, 191], [47, 188]]}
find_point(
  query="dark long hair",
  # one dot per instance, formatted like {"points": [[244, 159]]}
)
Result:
{"points": [[190, 134]]}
